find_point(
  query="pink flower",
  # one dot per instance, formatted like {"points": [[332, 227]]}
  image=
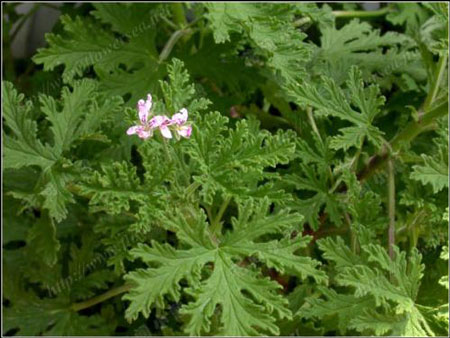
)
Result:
{"points": [[144, 108], [162, 122], [147, 125], [143, 130], [179, 121]]}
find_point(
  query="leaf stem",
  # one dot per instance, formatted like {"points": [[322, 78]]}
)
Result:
{"points": [[216, 225], [362, 14], [101, 298], [349, 14], [391, 206], [436, 81], [178, 14], [171, 43], [353, 237], [313, 122]]}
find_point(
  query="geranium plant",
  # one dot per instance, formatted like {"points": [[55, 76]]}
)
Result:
{"points": [[231, 169]]}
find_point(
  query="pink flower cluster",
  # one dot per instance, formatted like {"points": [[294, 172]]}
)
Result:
{"points": [[166, 126]]}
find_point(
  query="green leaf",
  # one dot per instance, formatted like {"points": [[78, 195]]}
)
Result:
{"points": [[316, 181], [123, 17], [432, 172], [42, 239], [81, 114], [150, 285], [358, 44], [254, 222], [56, 196], [336, 251], [240, 315], [332, 100], [113, 188], [346, 307], [51, 317], [233, 162], [269, 28], [77, 49], [25, 148], [178, 92], [247, 300], [394, 308]]}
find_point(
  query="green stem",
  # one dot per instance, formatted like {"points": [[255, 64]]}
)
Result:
{"points": [[436, 81], [354, 163], [178, 14], [208, 212], [171, 43], [216, 226], [413, 129], [169, 23], [313, 122], [336, 185], [353, 238], [349, 14], [362, 14], [191, 189], [202, 34], [391, 206], [101, 298]]}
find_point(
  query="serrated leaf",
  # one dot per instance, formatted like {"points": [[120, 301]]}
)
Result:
{"points": [[433, 172], [329, 99], [223, 282], [42, 238], [78, 50], [269, 28], [240, 315], [151, 285], [80, 112], [25, 148]]}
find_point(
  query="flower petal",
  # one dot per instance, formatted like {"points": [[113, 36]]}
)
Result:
{"points": [[158, 121], [185, 131], [149, 102], [143, 111], [145, 134], [181, 117], [165, 132], [133, 130], [144, 108]]}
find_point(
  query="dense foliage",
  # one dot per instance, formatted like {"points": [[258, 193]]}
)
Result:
{"points": [[310, 199]]}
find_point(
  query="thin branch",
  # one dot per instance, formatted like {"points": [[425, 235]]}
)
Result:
{"points": [[362, 14], [216, 225], [353, 238], [348, 14], [101, 298], [313, 122], [410, 132], [179, 15], [440, 70], [171, 43], [391, 206]]}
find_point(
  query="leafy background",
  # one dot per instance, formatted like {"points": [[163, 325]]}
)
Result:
{"points": [[311, 199]]}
